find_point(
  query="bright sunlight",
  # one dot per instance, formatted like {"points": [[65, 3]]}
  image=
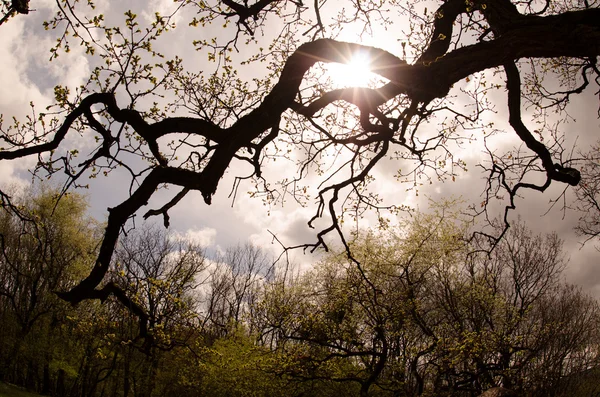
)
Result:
{"points": [[355, 73]]}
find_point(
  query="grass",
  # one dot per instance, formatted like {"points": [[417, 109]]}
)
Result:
{"points": [[7, 390]]}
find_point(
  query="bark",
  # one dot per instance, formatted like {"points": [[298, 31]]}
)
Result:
{"points": [[60, 390]]}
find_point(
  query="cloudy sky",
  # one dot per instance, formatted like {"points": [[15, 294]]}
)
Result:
{"points": [[28, 76]]}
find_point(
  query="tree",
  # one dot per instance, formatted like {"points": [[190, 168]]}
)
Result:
{"points": [[232, 286], [161, 275], [10, 8], [516, 324], [374, 325], [588, 193], [46, 251], [293, 111], [426, 316]]}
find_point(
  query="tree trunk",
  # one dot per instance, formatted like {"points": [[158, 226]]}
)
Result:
{"points": [[46, 379], [126, 385], [60, 384], [31, 375]]}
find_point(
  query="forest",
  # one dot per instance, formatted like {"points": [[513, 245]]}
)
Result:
{"points": [[427, 314], [402, 149]]}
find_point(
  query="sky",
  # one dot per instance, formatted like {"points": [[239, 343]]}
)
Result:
{"points": [[28, 76]]}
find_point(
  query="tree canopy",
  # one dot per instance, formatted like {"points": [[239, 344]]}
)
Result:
{"points": [[264, 95], [423, 315]]}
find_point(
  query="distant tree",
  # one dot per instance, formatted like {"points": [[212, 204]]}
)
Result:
{"points": [[370, 324], [47, 248], [167, 125], [162, 275], [588, 195], [232, 285], [236, 366], [423, 315], [512, 316]]}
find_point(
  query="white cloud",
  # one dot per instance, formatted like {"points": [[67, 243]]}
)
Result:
{"points": [[204, 237], [16, 90]]}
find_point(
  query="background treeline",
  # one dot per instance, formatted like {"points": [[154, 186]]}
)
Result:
{"points": [[426, 313]]}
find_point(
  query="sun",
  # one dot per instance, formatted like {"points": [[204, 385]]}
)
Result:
{"points": [[355, 73]]}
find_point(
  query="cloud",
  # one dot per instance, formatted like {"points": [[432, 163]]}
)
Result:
{"points": [[27, 76], [18, 91], [204, 237]]}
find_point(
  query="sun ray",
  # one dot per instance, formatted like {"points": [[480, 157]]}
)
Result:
{"points": [[355, 73]]}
